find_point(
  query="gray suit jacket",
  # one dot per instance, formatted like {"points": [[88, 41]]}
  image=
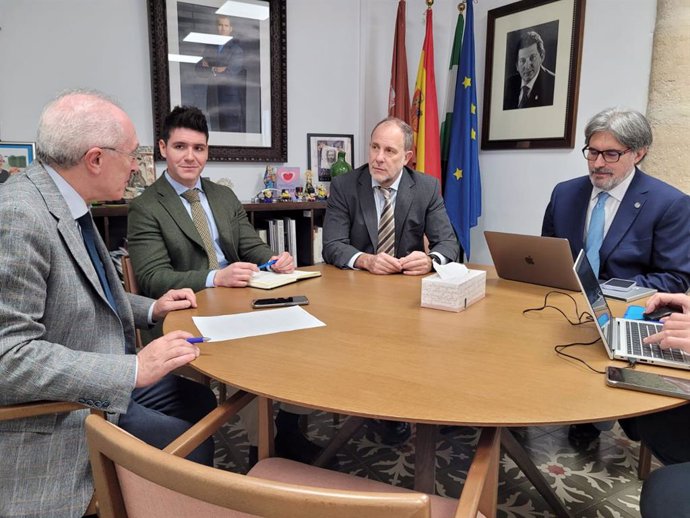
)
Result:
{"points": [[166, 248], [351, 225], [59, 340]]}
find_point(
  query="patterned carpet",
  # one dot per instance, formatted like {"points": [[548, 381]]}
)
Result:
{"points": [[598, 481]]}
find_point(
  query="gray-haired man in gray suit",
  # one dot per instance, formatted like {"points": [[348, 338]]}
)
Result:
{"points": [[66, 321], [356, 203]]}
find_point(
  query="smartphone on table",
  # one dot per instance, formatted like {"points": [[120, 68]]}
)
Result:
{"points": [[648, 382], [616, 284], [279, 302]]}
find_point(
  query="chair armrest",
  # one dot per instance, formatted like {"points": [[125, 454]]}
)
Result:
{"points": [[480, 491], [36, 408], [202, 430]]}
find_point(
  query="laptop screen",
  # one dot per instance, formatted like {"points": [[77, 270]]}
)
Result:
{"points": [[596, 300]]}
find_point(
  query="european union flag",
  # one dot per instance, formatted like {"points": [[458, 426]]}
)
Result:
{"points": [[463, 188]]}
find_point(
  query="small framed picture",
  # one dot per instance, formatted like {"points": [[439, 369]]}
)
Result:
{"points": [[144, 176], [15, 158], [533, 53], [322, 152]]}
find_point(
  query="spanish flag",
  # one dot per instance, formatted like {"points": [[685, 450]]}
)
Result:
{"points": [[424, 109]]}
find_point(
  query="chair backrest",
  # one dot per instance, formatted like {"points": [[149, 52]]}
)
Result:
{"points": [[130, 280], [134, 480]]}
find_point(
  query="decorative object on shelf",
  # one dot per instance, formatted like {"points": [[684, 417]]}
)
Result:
{"points": [[225, 181], [246, 104], [287, 178], [321, 193], [340, 166], [322, 152], [266, 196], [285, 195], [299, 193], [270, 177], [309, 182], [532, 74], [15, 157], [142, 177]]}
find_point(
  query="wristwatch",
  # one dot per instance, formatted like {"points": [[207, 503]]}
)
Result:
{"points": [[435, 258]]}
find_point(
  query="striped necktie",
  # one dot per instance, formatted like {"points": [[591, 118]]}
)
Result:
{"points": [[595, 232], [524, 96], [201, 224], [386, 224]]}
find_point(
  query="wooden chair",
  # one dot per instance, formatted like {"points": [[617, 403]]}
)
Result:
{"points": [[136, 480], [37, 408], [131, 286]]}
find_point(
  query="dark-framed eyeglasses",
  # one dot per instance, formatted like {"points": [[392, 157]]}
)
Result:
{"points": [[609, 155]]}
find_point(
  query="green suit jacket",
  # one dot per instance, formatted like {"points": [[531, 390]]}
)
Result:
{"points": [[165, 247]]}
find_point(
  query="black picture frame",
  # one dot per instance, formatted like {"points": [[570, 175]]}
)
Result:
{"points": [[318, 147], [262, 134], [547, 117]]}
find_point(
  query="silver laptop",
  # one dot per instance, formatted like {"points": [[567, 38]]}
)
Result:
{"points": [[622, 337], [534, 259]]}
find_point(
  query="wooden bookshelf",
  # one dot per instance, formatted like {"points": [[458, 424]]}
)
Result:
{"points": [[111, 221]]}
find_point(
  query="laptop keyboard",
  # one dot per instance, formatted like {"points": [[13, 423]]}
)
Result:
{"points": [[637, 331]]}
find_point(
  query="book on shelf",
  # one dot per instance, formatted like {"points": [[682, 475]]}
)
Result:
{"points": [[317, 244], [263, 234], [291, 237], [270, 280]]}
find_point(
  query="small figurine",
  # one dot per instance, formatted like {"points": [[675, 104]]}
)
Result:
{"points": [[267, 196], [299, 193], [285, 195], [270, 177], [321, 193], [309, 186]]}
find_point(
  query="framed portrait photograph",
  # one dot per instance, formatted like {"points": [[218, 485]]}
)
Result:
{"points": [[322, 152], [532, 76], [142, 177], [15, 157], [227, 58]]}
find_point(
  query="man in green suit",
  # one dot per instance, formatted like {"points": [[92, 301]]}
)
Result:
{"points": [[185, 231]]}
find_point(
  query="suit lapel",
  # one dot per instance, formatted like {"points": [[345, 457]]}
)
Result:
{"points": [[365, 195], [630, 207], [403, 202], [171, 202], [580, 205], [71, 235]]}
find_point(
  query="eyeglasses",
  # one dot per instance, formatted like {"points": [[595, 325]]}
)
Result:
{"points": [[610, 155], [133, 155]]}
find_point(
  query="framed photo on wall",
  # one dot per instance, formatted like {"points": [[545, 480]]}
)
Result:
{"points": [[15, 157], [532, 76], [227, 58], [322, 152]]}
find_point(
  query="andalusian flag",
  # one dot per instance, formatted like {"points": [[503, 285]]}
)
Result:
{"points": [[399, 93], [450, 91], [424, 110], [463, 190]]}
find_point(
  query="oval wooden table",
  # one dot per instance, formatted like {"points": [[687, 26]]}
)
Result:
{"points": [[381, 355]]}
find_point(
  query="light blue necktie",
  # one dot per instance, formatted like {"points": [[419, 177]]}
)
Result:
{"points": [[595, 232]]}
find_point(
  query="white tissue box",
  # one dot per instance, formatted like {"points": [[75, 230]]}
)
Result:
{"points": [[454, 294]]}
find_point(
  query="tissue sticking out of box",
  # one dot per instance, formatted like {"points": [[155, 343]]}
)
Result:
{"points": [[453, 287], [451, 271]]}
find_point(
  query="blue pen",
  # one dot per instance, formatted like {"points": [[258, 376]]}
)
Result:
{"points": [[198, 339], [269, 263]]}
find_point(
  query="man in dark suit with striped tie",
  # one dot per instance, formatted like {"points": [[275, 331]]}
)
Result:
{"points": [[378, 214]]}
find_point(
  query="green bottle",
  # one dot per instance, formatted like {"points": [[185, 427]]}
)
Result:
{"points": [[340, 166]]}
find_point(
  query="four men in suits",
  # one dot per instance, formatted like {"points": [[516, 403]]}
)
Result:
{"points": [[67, 323], [533, 85], [169, 250], [358, 199]]}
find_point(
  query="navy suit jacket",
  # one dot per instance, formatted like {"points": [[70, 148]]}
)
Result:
{"points": [[351, 223], [648, 240]]}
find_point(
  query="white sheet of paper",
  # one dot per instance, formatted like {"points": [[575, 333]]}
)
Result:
{"points": [[255, 323]]}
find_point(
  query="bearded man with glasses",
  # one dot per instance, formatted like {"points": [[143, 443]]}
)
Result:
{"points": [[646, 222]]}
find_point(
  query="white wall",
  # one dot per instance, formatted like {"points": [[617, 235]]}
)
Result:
{"points": [[339, 54]]}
